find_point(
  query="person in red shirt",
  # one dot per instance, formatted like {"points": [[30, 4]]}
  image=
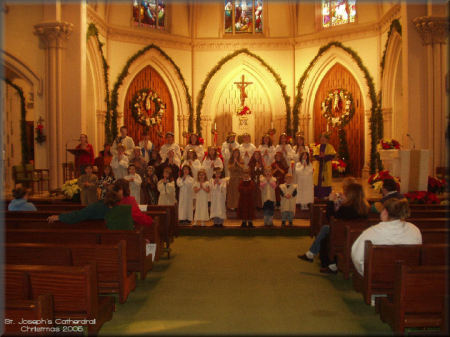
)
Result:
{"points": [[87, 158], [122, 187]]}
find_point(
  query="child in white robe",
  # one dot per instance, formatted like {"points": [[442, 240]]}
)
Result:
{"points": [[135, 183], [170, 145], [285, 148], [119, 163], [218, 197], [227, 149], [211, 161], [246, 148], [268, 184], [201, 190], [185, 196], [267, 150], [304, 181], [195, 145], [288, 192], [166, 188]]}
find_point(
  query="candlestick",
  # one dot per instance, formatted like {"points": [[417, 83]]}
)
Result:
{"points": [[215, 126]]}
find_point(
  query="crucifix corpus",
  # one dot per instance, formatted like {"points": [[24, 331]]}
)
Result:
{"points": [[241, 86]]}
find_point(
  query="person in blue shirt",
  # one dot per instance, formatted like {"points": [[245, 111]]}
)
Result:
{"points": [[20, 202]]}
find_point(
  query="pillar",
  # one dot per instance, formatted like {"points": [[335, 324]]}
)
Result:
{"points": [[53, 35]]}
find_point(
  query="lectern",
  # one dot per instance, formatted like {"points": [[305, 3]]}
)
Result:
{"points": [[77, 153]]}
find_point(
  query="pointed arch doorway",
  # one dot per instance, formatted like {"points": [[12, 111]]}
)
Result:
{"points": [[148, 78], [339, 77]]}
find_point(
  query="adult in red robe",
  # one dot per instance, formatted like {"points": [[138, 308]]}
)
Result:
{"points": [[86, 158]]}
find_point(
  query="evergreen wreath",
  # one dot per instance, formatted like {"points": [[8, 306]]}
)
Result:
{"points": [[338, 99], [143, 111]]}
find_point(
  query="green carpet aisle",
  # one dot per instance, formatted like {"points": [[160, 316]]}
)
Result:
{"points": [[242, 285]]}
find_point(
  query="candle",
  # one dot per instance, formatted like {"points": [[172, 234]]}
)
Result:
{"points": [[215, 126], [327, 127], [271, 125]]}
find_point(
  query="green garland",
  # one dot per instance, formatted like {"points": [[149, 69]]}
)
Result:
{"points": [[395, 24], [93, 31], [124, 73], [23, 122], [219, 65], [374, 120], [138, 103]]}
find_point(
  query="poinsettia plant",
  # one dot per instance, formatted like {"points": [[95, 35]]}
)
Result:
{"points": [[339, 166], [376, 180], [245, 110], [388, 144], [71, 189], [436, 185], [422, 197]]}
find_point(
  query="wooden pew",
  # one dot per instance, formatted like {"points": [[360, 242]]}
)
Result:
{"points": [[137, 260], [379, 267], [317, 219], [434, 254], [418, 299], [39, 309], [111, 262], [74, 291], [169, 230], [16, 221], [344, 259]]}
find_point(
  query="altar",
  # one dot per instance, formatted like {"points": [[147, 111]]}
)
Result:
{"points": [[410, 166]]}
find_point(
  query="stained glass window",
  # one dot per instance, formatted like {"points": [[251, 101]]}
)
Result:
{"points": [[243, 16], [338, 12], [151, 13]]}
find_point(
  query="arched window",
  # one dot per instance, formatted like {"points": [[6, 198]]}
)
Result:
{"points": [[243, 16], [338, 12], [151, 13]]}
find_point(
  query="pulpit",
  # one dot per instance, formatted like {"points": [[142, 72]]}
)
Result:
{"points": [[411, 166]]}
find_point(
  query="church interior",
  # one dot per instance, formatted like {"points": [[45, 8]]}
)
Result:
{"points": [[328, 96]]}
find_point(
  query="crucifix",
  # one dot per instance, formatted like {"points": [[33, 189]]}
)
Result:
{"points": [[241, 86]]}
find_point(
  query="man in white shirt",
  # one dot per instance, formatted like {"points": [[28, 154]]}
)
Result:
{"points": [[125, 140], [392, 230], [170, 145]]}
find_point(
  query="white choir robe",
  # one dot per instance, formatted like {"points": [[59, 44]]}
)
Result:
{"points": [[287, 151], [218, 195], [166, 193], [119, 167], [304, 180], [185, 206], [269, 156], [165, 150], [296, 156], [208, 165], [128, 142], [135, 186], [198, 150], [195, 166], [288, 205], [247, 152], [226, 154], [201, 203]]}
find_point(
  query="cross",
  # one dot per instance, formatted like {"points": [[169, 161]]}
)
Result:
{"points": [[241, 86]]}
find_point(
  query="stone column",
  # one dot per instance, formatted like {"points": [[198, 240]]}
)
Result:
{"points": [[52, 36], [101, 128], [433, 31], [387, 122], [206, 130]]}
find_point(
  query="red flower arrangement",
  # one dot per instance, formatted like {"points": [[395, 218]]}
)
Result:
{"points": [[422, 197], [389, 144], [436, 185], [40, 137], [201, 141], [244, 111], [376, 180], [339, 166]]}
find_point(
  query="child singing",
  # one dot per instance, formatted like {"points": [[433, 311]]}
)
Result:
{"points": [[201, 190], [135, 183], [268, 184], [150, 186], [106, 179], [279, 169], [166, 188], [218, 197], [211, 161], [246, 209], [305, 181], [288, 193], [235, 168], [88, 186], [185, 202]]}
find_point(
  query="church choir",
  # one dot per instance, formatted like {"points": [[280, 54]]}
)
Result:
{"points": [[238, 176]]}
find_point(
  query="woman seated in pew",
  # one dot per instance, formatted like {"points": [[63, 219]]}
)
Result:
{"points": [[389, 190], [117, 195], [392, 230], [353, 206], [20, 201]]}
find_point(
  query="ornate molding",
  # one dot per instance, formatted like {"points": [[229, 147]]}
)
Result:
{"points": [[432, 29], [54, 33]]}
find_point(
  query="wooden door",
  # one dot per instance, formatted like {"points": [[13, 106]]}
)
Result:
{"points": [[338, 77], [148, 78]]}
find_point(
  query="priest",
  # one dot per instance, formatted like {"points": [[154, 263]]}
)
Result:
{"points": [[125, 140], [323, 155]]}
